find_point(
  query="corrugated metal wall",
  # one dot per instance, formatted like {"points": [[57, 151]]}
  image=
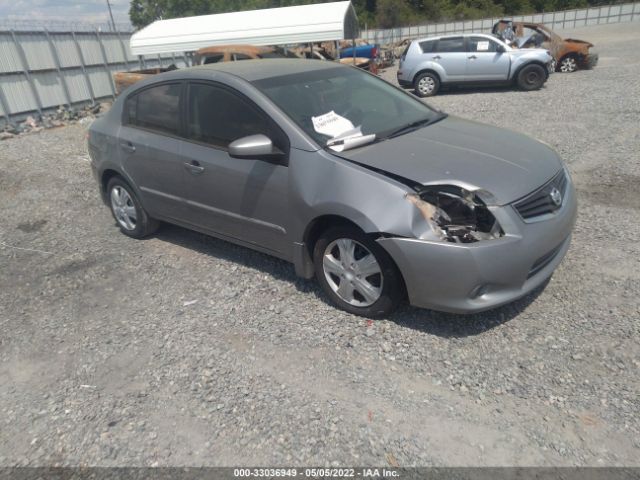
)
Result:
{"points": [[627, 12], [42, 70]]}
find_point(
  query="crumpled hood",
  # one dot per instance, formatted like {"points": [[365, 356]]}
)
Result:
{"points": [[455, 151]]}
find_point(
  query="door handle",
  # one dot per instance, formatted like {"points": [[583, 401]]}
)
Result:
{"points": [[194, 167], [472, 57], [128, 147], [437, 57]]}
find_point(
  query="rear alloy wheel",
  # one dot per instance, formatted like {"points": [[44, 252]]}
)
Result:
{"points": [[132, 219], [356, 273], [426, 84], [569, 64], [531, 77]]}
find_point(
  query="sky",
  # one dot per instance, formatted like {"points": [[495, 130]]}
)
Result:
{"points": [[94, 11]]}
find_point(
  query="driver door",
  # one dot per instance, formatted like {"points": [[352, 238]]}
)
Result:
{"points": [[245, 199]]}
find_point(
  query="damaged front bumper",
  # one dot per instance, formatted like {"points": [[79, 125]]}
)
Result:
{"points": [[472, 277]]}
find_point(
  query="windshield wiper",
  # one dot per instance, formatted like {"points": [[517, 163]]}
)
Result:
{"points": [[415, 125]]}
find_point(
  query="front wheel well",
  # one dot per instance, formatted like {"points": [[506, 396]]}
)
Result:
{"points": [[321, 224]]}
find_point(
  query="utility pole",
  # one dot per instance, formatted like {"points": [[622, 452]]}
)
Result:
{"points": [[113, 24]]}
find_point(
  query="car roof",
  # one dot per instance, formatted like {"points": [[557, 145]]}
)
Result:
{"points": [[251, 70], [452, 35]]}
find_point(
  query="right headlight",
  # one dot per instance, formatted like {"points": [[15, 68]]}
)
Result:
{"points": [[456, 214]]}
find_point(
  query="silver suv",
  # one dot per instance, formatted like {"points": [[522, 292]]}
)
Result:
{"points": [[429, 63]]}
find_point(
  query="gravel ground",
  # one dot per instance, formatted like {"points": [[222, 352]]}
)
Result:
{"points": [[186, 350]]}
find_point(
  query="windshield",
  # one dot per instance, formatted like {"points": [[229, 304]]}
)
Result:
{"points": [[331, 103]]}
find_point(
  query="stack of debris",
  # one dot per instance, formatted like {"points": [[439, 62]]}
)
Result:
{"points": [[59, 118]]}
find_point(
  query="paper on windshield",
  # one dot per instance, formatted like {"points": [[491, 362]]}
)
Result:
{"points": [[331, 124], [483, 46]]}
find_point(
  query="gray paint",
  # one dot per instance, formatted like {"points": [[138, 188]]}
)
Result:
{"points": [[269, 206]]}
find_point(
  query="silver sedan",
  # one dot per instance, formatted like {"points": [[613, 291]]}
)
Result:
{"points": [[351, 179]]}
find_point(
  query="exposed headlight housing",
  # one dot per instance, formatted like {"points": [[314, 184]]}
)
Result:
{"points": [[455, 214]]}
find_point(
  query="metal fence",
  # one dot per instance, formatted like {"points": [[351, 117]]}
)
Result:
{"points": [[626, 12], [41, 70]]}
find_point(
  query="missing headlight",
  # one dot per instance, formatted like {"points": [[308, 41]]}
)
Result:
{"points": [[455, 214]]}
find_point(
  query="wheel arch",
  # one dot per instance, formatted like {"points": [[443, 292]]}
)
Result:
{"points": [[427, 70], [322, 223]]}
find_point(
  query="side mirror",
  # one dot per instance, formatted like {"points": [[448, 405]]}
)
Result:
{"points": [[501, 49], [253, 146]]}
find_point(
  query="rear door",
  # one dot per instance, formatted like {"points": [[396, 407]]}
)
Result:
{"points": [[451, 54], [241, 198], [149, 148], [485, 62]]}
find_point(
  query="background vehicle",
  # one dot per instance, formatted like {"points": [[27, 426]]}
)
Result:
{"points": [[569, 54], [230, 53], [222, 53], [470, 59], [292, 158]]}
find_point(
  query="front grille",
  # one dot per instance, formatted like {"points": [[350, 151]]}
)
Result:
{"points": [[543, 261], [541, 202]]}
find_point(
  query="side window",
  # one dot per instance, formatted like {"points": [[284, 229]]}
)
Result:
{"points": [[449, 45], [427, 47], [481, 44], [218, 116], [241, 56], [213, 58], [156, 108]]}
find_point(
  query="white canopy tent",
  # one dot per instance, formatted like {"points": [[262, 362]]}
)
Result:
{"points": [[274, 26]]}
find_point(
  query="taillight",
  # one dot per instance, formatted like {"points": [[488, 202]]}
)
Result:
{"points": [[374, 52]]}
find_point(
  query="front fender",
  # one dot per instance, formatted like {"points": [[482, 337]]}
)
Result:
{"points": [[371, 200]]}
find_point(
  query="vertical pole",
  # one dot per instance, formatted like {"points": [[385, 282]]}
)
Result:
{"points": [[113, 24], [25, 67], [5, 105], [353, 46], [124, 50], [84, 68], [106, 65], [56, 60], [159, 60]]}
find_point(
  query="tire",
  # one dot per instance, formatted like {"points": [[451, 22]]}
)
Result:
{"points": [[126, 209], [372, 288], [426, 84], [531, 77], [568, 64]]}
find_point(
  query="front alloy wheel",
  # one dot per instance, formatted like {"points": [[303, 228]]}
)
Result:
{"points": [[356, 273], [352, 272]]}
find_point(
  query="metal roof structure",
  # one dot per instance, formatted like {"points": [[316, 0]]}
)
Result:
{"points": [[274, 26]]}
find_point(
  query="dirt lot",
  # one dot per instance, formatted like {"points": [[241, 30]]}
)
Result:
{"points": [[185, 350]]}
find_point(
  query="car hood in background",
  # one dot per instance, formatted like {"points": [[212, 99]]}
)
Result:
{"points": [[573, 40], [507, 164]]}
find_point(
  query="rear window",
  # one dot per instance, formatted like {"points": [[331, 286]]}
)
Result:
{"points": [[453, 44], [427, 46], [155, 108]]}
